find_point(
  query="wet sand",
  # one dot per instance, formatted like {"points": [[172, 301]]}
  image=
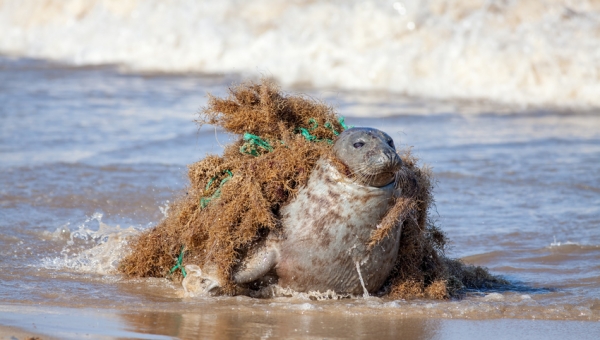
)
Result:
{"points": [[69, 323], [12, 333]]}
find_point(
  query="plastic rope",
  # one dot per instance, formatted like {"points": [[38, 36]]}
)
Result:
{"points": [[179, 264], [342, 123], [312, 138], [252, 142], [204, 201]]}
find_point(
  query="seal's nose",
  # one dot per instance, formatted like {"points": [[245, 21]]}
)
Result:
{"points": [[392, 160]]}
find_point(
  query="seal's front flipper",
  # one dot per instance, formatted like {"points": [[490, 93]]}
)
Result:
{"points": [[206, 282], [257, 265], [201, 283]]}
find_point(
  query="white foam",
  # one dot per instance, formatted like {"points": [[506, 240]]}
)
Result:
{"points": [[494, 297], [572, 245], [164, 209], [515, 51], [567, 243], [273, 291], [91, 251]]}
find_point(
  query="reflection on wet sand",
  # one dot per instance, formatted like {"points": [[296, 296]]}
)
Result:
{"points": [[277, 324], [231, 323]]}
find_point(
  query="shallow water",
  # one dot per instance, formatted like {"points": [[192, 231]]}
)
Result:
{"points": [[90, 155]]}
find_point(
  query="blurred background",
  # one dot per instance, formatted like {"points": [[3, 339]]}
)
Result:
{"points": [[520, 52]]}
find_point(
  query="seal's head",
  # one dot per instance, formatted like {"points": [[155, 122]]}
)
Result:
{"points": [[370, 154]]}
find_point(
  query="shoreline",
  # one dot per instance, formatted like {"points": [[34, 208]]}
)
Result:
{"points": [[47, 322], [12, 332]]}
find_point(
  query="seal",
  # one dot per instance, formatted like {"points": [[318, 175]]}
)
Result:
{"points": [[326, 228]]}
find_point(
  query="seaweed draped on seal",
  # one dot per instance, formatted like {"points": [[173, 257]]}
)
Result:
{"points": [[242, 211]]}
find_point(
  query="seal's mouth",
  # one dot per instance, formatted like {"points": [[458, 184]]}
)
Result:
{"points": [[391, 178], [378, 180]]}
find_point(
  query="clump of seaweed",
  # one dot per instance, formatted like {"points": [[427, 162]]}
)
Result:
{"points": [[234, 200]]}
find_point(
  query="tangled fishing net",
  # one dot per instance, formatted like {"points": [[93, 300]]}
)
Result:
{"points": [[234, 200]]}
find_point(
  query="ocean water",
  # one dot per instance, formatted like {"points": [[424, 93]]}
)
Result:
{"points": [[91, 155], [97, 107]]}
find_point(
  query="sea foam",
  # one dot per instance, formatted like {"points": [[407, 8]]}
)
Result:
{"points": [[514, 51], [91, 251]]}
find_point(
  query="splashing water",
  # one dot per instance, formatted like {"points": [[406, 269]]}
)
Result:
{"points": [[92, 251]]}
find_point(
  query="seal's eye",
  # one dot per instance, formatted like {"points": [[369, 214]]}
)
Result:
{"points": [[391, 143], [358, 145]]}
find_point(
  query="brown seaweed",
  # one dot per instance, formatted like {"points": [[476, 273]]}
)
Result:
{"points": [[233, 201]]}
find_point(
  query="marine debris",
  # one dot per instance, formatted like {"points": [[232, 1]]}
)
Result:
{"points": [[233, 201]]}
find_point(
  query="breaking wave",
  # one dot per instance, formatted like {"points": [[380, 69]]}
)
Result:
{"points": [[512, 51]]}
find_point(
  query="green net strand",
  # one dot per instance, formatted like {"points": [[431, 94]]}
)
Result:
{"points": [[179, 264], [306, 132], [330, 127], [252, 143], [312, 138], [309, 137], [204, 201], [342, 123]]}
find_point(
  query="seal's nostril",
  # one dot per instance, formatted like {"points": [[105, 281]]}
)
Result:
{"points": [[390, 155]]}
